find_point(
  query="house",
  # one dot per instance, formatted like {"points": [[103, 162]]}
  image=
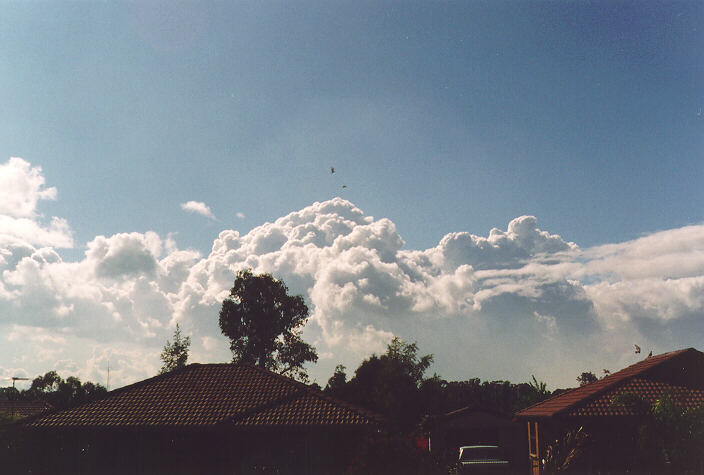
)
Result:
{"points": [[610, 412], [21, 409], [475, 426], [203, 418]]}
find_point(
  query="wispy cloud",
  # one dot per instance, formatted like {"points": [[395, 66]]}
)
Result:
{"points": [[198, 207]]}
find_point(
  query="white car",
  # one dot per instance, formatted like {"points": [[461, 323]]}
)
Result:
{"points": [[483, 459]]}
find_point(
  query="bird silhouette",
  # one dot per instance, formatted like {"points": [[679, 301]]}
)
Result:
{"points": [[332, 169], [637, 349], [606, 372], [344, 186]]}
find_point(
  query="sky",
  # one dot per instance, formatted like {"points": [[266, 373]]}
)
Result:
{"points": [[517, 185]]}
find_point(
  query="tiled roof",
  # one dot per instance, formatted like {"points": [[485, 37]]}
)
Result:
{"points": [[212, 395], [22, 409], [646, 390], [587, 398]]}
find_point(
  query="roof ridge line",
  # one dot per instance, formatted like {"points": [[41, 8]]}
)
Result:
{"points": [[352, 407], [616, 381], [263, 406], [318, 393], [607, 382]]}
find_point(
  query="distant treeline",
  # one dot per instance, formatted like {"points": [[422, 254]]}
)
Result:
{"points": [[394, 384], [55, 390]]}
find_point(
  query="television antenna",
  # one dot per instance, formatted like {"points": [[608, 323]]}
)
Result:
{"points": [[15, 379]]}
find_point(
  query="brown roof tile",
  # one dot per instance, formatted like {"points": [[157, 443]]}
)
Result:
{"points": [[210, 395], [579, 399], [648, 391]]}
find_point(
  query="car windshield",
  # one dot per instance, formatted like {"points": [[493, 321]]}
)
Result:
{"points": [[481, 453]]}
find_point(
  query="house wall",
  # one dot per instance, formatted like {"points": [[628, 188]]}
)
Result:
{"points": [[215, 451]]}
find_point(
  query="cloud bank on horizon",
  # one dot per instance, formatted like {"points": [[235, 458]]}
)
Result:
{"points": [[514, 303]]}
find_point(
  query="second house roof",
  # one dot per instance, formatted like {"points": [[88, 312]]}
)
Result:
{"points": [[208, 395]]}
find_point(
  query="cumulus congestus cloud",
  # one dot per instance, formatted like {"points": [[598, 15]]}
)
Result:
{"points": [[515, 302]]}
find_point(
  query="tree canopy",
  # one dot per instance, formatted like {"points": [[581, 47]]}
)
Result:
{"points": [[388, 383], [587, 377], [175, 355], [395, 384], [264, 325], [58, 392]]}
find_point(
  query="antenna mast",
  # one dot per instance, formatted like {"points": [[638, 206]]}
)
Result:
{"points": [[17, 378], [12, 402]]}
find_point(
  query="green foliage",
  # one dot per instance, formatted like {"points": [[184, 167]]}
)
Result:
{"points": [[631, 402], [498, 396], [389, 384], [9, 393], [175, 355], [540, 388], [47, 383], [394, 384], [58, 392], [673, 435], [264, 325], [338, 380], [587, 377], [561, 453], [404, 356], [662, 437]]}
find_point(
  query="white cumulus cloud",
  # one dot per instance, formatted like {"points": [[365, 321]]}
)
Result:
{"points": [[198, 207], [22, 186], [510, 304]]}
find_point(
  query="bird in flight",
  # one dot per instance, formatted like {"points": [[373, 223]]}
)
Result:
{"points": [[637, 349], [332, 169], [344, 186]]}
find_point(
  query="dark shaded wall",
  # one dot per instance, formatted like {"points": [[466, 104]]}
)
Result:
{"points": [[155, 451], [479, 428]]}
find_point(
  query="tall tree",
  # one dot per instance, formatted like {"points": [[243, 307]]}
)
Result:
{"points": [[390, 383], [50, 382], [264, 325], [337, 381], [175, 355]]}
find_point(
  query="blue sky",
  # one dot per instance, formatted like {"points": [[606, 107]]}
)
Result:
{"points": [[443, 117]]}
